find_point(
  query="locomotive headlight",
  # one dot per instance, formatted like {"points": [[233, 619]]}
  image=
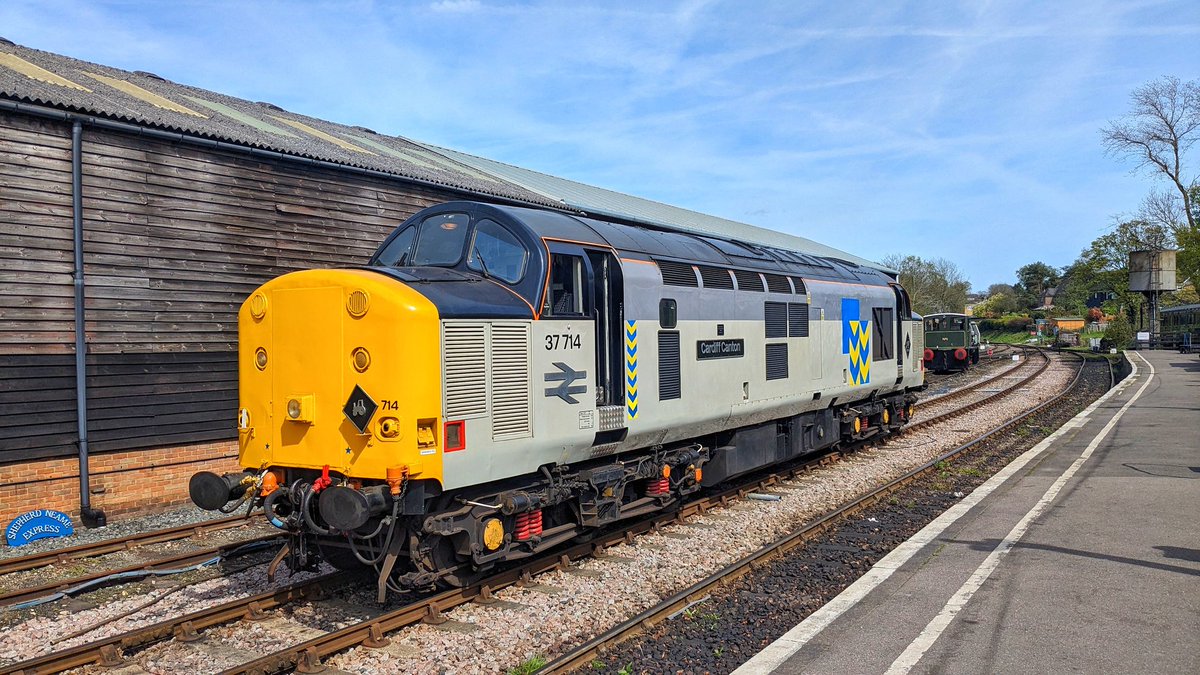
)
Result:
{"points": [[258, 305], [361, 358], [358, 302], [294, 408], [260, 358]]}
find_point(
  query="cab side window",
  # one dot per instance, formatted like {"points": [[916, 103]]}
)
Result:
{"points": [[398, 252], [497, 252], [565, 297]]}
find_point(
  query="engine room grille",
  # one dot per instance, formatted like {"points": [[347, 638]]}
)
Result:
{"points": [[775, 314], [715, 277], [465, 369], [777, 283], [510, 381], [918, 343], [748, 281], [777, 361], [677, 273], [797, 319], [668, 365]]}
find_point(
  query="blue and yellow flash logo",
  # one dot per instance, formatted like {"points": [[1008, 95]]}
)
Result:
{"points": [[856, 341], [631, 368]]}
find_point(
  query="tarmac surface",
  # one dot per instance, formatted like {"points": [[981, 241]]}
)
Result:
{"points": [[1083, 555]]}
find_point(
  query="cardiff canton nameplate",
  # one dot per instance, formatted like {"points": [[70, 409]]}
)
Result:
{"points": [[39, 524], [720, 349]]}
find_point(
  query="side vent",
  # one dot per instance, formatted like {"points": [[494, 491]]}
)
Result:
{"points": [[748, 281], [777, 361], [799, 284], [510, 381], [777, 283], [918, 343], [677, 273], [797, 319], [465, 369], [668, 365], [775, 314], [715, 277]]}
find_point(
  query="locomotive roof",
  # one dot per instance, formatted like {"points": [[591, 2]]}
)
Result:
{"points": [[48, 80], [647, 243], [1179, 308]]}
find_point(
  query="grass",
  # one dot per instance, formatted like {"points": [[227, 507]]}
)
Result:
{"points": [[531, 666]]}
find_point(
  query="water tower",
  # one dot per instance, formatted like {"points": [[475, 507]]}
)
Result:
{"points": [[1152, 273]]}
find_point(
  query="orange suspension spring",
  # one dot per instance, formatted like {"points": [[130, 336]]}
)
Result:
{"points": [[658, 487], [528, 525]]}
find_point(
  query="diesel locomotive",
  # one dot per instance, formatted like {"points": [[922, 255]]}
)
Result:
{"points": [[498, 380], [951, 342]]}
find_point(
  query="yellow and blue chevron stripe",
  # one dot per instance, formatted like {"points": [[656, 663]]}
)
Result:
{"points": [[631, 368], [856, 342]]}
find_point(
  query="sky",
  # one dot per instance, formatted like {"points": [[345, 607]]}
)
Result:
{"points": [[969, 131]]}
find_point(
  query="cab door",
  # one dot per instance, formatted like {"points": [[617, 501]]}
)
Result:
{"points": [[585, 283]]}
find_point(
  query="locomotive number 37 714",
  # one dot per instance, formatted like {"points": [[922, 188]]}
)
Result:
{"points": [[562, 341]]}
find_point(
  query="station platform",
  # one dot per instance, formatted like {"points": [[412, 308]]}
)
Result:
{"points": [[1083, 555]]}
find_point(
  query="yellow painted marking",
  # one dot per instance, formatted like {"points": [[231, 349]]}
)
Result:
{"points": [[145, 95], [36, 72], [322, 135]]}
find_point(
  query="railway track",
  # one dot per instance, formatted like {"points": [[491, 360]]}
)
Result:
{"points": [[585, 655], [160, 564], [306, 656], [28, 562]]}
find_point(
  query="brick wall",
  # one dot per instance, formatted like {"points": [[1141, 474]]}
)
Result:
{"points": [[123, 483]]}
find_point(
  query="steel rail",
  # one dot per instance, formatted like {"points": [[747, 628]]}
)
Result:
{"points": [[19, 595], [107, 546], [962, 391], [988, 399], [306, 656], [106, 651], [584, 654]]}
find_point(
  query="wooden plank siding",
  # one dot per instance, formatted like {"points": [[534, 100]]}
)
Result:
{"points": [[175, 237]]}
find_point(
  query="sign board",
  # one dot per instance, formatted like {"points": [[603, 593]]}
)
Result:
{"points": [[1143, 336], [720, 349], [39, 524]]}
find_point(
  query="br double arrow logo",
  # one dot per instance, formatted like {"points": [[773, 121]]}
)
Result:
{"points": [[565, 378]]}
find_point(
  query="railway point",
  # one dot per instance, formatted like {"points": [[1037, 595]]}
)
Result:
{"points": [[1082, 555]]}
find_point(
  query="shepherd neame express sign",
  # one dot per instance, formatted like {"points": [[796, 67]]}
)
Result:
{"points": [[39, 524]]}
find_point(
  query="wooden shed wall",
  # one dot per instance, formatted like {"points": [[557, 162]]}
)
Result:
{"points": [[175, 237]]}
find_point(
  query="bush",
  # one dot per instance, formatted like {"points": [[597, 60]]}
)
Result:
{"points": [[1119, 332]]}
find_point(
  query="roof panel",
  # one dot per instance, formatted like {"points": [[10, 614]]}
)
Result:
{"points": [[607, 203]]}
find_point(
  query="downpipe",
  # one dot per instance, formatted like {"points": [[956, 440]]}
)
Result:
{"points": [[90, 517]]}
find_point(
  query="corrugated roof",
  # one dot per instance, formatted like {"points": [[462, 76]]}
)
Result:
{"points": [[51, 80], [47, 79], [597, 201]]}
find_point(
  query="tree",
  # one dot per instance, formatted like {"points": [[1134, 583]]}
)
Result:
{"points": [[933, 285], [1033, 280], [1163, 124]]}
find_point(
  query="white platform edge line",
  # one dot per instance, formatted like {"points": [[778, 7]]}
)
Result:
{"points": [[938, 625], [786, 646]]}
